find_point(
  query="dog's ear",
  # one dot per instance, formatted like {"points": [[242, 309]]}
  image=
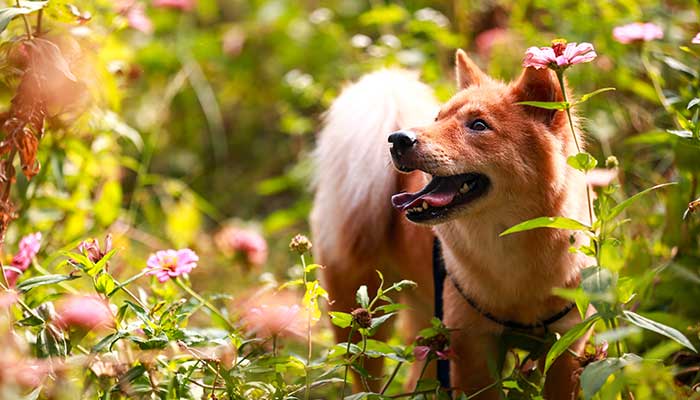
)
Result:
{"points": [[467, 72], [539, 85]]}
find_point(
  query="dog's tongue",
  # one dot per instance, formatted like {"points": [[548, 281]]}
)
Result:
{"points": [[438, 193]]}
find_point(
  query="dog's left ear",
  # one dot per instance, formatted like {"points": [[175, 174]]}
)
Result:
{"points": [[467, 72], [539, 85]]}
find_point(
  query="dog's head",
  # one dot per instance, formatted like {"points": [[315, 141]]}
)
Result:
{"points": [[484, 149]]}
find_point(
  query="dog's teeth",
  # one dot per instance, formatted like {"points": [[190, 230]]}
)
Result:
{"points": [[425, 205], [464, 188]]}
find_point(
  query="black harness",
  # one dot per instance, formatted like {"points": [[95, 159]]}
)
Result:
{"points": [[439, 275]]}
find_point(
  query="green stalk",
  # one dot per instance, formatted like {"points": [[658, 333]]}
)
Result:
{"points": [[391, 377], [206, 304], [347, 366], [560, 77]]}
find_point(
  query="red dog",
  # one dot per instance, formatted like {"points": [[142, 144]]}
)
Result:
{"points": [[472, 168]]}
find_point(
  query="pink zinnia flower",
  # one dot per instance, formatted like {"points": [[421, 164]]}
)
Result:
{"points": [[91, 248], [28, 247], [248, 242], [559, 55], [274, 315], [184, 5], [166, 264], [87, 312], [696, 39], [637, 32]]}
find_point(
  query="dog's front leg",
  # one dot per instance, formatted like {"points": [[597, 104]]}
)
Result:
{"points": [[476, 361]]}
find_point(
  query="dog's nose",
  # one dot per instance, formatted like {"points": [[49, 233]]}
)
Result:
{"points": [[402, 141]]}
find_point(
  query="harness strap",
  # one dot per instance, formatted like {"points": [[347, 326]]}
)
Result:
{"points": [[439, 275]]}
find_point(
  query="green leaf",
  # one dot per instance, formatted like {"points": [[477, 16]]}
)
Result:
{"points": [[693, 103], [43, 280], [312, 267], [340, 319], [104, 283], [624, 204], [549, 105], [7, 14], [378, 321], [657, 327], [362, 297], [596, 374], [588, 96], [547, 222], [568, 339], [582, 161]]}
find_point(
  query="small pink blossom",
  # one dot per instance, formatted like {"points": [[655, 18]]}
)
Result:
{"points": [[184, 5], [28, 248], [166, 264], [600, 177], [248, 242], [486, 40], [87, 312], [274, 315], [135, 13], [637, 32], [91, 248], [422, 352], [8, 298], [559, 55], [696, 39]]}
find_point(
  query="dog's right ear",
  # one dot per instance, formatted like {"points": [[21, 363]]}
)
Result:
{"points": [[467, 72]]}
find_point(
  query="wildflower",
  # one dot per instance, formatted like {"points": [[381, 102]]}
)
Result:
{"points": [[435, 345], [28, 247], [611, 162], [250, 243], [362, 317], [183, 5], [559, 55], [166, 264], [135, 14], [86, 312], [600, 177], [274, 315], [300, 243], [637, 32], [91, 248], [696, 39]]}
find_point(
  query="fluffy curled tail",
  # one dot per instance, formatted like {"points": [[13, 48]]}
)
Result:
{"points": [[354, 177]]}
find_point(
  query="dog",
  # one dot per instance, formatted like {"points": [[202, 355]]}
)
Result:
{"points": [[464, 171]]}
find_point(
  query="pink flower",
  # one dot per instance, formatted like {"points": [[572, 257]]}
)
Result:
{"points": [[184, 5], [87, 312], [559, 56], [8, 298], [166, 264], [422, 352], [600, 177], [91, 248], [486, 40], [274, 315], [135, 14], [637, 32], [696, 39], [28, 247], [248, 242]]}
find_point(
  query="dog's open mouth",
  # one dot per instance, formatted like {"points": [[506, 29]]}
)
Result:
{"points": [[439, 197]]}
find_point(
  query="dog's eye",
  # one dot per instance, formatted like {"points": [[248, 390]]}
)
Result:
{"points": [[478, 125]]}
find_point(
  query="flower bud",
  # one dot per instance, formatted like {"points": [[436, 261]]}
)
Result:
{"points": [[362, 317], [300, 243]]}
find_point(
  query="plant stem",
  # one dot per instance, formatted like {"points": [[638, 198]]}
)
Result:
{"points": [[347, 366], [27, 27], [391, 377], [308, 336], [38, 21], [206, 304], [560, 77], [126, 282]]}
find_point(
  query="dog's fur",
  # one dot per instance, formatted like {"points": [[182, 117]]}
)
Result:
{"points": [[523, 154]]}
